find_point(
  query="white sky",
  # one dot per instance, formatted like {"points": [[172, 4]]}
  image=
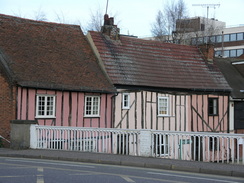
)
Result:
{"points": [[135, 16]]}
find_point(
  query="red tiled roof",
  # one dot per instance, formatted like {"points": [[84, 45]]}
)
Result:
{"points": [[138, 62], [49, 55]]}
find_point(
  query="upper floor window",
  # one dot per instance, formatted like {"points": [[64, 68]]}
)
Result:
{"points": [[45, 106], [213, 106], [239, 52], [232, 37], [240, 36], [202, 27], [163, 106], [226, 37], [126, 101], [92, 106], [219, 38]]}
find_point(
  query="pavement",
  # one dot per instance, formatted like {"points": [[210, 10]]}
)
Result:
{"points": [[236, 170]]}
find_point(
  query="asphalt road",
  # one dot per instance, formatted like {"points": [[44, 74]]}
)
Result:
{"points": [[21, 170]]}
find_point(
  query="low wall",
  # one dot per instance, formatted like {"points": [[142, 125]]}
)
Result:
{"points": [[20, 133]]}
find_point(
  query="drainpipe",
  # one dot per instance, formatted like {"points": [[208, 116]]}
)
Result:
{"points": [[222, 49], [113, 111]]}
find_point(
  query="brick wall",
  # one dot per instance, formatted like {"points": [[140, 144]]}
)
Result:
{"points": [[207, 51], [7, 108]]}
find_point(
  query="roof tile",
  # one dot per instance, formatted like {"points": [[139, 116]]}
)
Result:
{"points": [[138, 62], [50, 55]]}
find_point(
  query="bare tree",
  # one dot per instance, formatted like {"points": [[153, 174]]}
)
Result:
{"points": [[165, 23], [40, 15], [158, 28], [96, 21]]}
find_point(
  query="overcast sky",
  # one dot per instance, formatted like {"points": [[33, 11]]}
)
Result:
{"points": [[135, 16]]}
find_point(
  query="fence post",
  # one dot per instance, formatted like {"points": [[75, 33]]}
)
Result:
{"points": [[145, 143], [20, 133], [33, 136]]}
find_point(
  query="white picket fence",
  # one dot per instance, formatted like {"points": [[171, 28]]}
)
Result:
{"points": [[196, 146]]}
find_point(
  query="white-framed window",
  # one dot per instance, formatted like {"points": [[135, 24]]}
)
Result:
{"points": [[163, 106], [126, 101], [45, 106], [213, 106], [92, 106]]}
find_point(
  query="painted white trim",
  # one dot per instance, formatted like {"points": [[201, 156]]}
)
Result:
{"points": [[123, 101], [92, 112], [45, 116], [237, 63], [167, 114]]}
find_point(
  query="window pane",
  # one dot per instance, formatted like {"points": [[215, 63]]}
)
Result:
{"points": [[212, 106], [212, 39], [226, 37], [240, 36], [227, 53], [92, 105], [218, 39], [233, 37], [45, 106], [232, 53], [217, 53], [200, 40], [88, 105], [95, 106], [239, 52], [193, 41], [49, 106], [41, 106], [125, 100], [163, 106], [206, 39]]}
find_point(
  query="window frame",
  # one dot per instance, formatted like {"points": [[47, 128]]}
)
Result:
{"points": [[123, 101], [92, 106], [215, 110], [233, 53], [240, 36], [45, 115], [167, 106]]}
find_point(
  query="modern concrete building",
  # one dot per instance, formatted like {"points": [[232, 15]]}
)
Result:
{"points": [[227, 41]]}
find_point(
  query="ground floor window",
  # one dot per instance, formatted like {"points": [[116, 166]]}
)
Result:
{"points": [[92, 106], [45, 106]]}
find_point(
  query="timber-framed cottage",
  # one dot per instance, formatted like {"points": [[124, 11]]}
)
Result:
{"points": [[49, 73], [161, 86]]}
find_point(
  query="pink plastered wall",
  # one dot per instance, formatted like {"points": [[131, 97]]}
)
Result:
{"points": [[69, 108], [187, 112]]}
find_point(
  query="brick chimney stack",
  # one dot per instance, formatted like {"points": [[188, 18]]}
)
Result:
{"points": [[208, 52], [109, 28]]}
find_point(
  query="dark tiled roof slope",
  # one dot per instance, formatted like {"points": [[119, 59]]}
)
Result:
{"points": [[234, 74], [139, 62], [49, 55]]}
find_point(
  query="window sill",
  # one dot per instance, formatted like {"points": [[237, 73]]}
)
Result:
{"points": [[125, 108], [91, 116], [164, 116], [45, 117]]}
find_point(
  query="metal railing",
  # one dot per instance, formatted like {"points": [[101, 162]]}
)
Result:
{"points": [[1, 137], [88, 139], [196, 146], [199, 146]]}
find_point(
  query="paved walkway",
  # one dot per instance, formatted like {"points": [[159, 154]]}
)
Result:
{"points": [[147, 162]]}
